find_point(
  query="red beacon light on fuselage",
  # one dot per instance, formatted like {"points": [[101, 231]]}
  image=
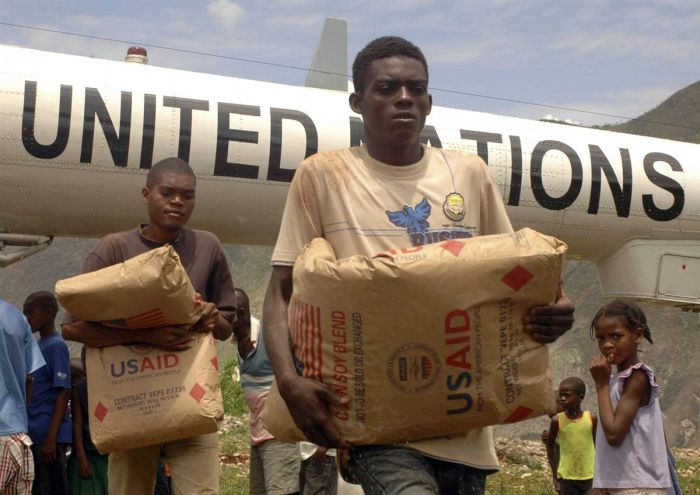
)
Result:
{"points": [[136, 54]]}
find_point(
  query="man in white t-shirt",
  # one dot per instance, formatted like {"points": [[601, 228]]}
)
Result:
{"points": [[392, 192]]}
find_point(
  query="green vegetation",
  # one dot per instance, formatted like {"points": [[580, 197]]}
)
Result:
{"points": [[513, 479], [234, 461], [233, 438], [688, 465], [234, 403]]}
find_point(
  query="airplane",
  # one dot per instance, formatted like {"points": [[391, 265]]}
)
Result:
{"points": [[78, 135]]}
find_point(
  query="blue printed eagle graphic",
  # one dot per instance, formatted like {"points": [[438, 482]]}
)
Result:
{"points": [[414, 219]]}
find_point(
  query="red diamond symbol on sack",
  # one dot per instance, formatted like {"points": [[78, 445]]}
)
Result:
{"points": [[519, 414], [215, 362], [100, 411], [454, 247], [517, 278], [197, 392]]}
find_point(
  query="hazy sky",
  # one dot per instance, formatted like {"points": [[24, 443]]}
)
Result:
{"points": [[616, 57]]}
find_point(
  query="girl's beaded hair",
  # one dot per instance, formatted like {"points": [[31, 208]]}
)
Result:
{"points": [[629, 311]]}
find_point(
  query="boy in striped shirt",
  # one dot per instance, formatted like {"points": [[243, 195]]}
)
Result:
{"points": [[274, 466]]}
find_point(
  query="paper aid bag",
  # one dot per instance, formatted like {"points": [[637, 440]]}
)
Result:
{"points": [[142, 395], [424, 341], [146, 291]]}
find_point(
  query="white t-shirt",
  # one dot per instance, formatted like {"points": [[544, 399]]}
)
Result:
{"points": [[363, 206]]}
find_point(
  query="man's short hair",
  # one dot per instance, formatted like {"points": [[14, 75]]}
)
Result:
{"points": [[384, 47], [43, 299], [243, 294], [241, 291], [576, 384], [172, 164]]}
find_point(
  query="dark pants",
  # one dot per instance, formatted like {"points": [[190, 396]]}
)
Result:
{"points": [[318, 476], [162, 483], [393, 470], [50, 479], [575, 487]]}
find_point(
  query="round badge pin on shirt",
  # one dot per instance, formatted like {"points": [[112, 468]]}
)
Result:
{"points": [[454, 207]]}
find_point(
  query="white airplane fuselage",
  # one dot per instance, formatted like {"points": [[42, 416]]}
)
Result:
{"points": [[78, 135]]}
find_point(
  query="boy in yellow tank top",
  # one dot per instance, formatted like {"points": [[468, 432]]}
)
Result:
{"points": [[574, 429]]}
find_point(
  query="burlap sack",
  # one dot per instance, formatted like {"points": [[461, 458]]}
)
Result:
{"points": [[149, 290], [142, 395], [425, 341]]}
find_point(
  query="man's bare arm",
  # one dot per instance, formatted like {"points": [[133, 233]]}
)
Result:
{"points": [[552, 444], [96, 335], [84, 468], [222, 328], [214, 322], [241, 334], [277, 296], [48, 446], [309, 401]]}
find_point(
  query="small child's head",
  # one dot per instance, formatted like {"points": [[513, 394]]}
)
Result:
{"points": [[558, 405], [40, 308], [619, 327], [572, 391]]}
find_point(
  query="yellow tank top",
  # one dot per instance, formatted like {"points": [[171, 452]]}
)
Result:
{"points": [[576, 447]]}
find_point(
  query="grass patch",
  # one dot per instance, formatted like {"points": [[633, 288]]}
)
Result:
{"points": [[688, 466], [517, 479], [234, 446], [234, 480], [234, 403], [234, 443]]}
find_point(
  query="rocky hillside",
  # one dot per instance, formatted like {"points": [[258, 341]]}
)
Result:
{"points": [[676, 118]]}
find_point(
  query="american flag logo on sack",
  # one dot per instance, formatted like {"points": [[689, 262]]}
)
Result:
{"points": [[150, 319], [307, 338]]}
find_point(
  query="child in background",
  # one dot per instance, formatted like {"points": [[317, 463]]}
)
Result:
{"points": [[274, 466], [574, 430], [49, 421], [87, 468], [630, 444]]}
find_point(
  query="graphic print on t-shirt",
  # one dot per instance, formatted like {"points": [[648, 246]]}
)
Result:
{"points": [[415, 220]]}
